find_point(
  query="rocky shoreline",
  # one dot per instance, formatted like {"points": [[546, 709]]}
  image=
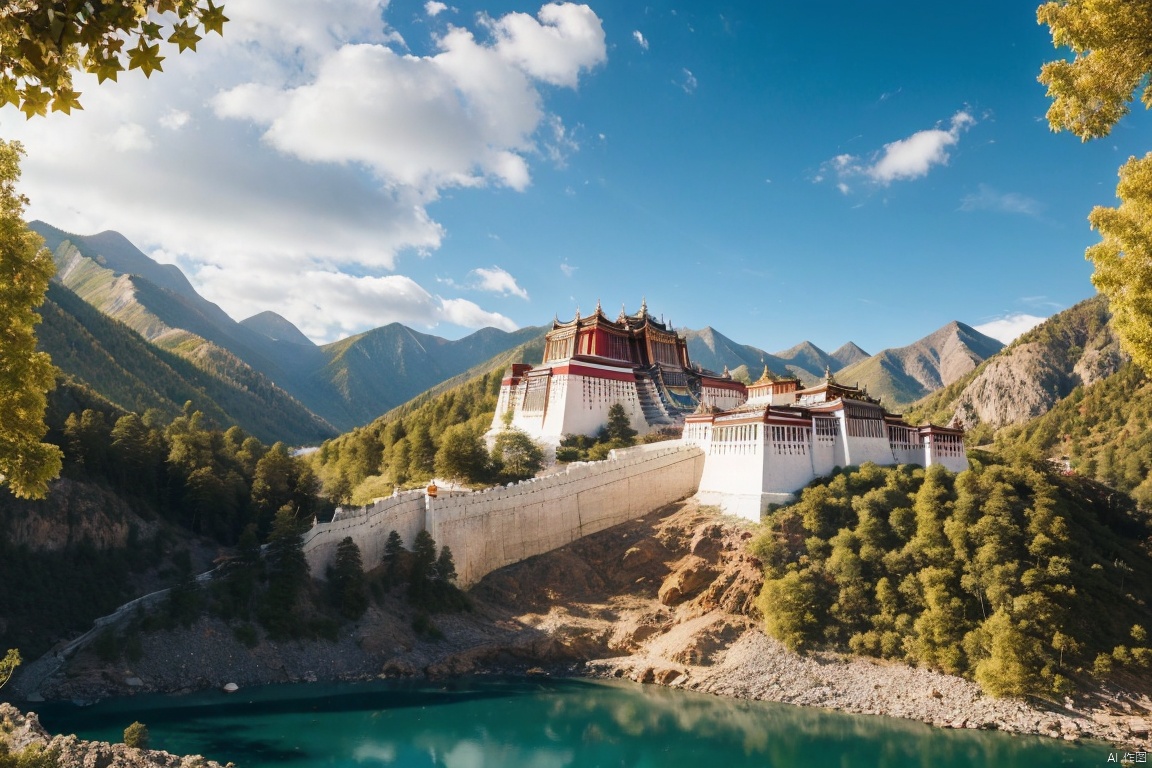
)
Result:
{"points": [[19, 731], [674, 609]]}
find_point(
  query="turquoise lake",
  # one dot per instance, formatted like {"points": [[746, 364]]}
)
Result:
{"points": [[538, 723]]}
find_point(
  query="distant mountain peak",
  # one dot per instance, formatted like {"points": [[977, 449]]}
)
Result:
{"points": [[277, 328], [849, 353], [902, 375]]}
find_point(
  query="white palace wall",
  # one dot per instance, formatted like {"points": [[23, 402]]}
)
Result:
{"points": [[500, 526], [369, 527]]}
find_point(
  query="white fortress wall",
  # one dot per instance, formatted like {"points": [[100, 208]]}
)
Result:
{"points": [[501, 526], [369, 527], [948, 451], [828, 436], [590, 398]]}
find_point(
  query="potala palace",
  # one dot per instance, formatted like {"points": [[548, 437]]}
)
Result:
{"points": [[762, 442]]}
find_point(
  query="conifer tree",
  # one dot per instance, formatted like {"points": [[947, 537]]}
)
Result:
{"points": [[619, 427], [287, 570], [393, 548], [445, 566], [346, 580]]}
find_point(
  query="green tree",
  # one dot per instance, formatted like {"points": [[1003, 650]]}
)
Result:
{"points": [[26, 463], [793, 609], [287, 570], [346, 580], [423, 557], [1112, 45], [461, 455], [393, 550], [518, 455], [42, 42], [8, 665], [1123, 258], [445, 566], [1111, 57], [619, 428], [136, 735]]}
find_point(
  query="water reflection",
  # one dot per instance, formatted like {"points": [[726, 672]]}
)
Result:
{"points": [[540, 724]]}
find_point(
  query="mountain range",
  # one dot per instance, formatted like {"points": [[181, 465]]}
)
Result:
{"points": [[899, 376], [314, 391], [138, 335]]}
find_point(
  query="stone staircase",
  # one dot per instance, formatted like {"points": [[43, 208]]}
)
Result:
{"points": [[655, 412]]}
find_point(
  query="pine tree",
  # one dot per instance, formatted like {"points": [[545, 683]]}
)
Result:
{"points": [[136, 735], [619, 428], [346, 580], [287, 570], [445, 566]]}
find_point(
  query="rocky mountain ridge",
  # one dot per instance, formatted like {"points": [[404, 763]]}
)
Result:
{"points": [[903, 375], [1075, 347], [333, 388]]}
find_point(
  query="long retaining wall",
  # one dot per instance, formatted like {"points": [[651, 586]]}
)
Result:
{"points": [[489, 529]]}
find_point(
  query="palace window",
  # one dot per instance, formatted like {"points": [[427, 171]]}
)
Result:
{"points": [[826, 428], [535, 395]]}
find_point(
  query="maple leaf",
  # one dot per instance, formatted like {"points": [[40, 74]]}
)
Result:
{"points": [[66, 100], [213, 18], [35, 101], [146, 58], [106, 69], [150, 30], [184, 35], [8, 91]]}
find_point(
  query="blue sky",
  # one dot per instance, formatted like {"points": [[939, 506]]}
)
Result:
{"points": [[780, 171]]}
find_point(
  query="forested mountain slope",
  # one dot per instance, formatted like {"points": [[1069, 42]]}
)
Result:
{"points": [[111, 359], [338, 386]]}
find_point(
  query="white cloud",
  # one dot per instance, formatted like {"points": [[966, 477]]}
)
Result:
{"points": [[289, 164], [433, 8], [466, 313], [499, 281], [567, 40], [688, 83], [638, 36], [463, 117], [1008, 327], [988, 199], [175, 119], [901, 160], [567, 269], [130, 137], [328, 305]]}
